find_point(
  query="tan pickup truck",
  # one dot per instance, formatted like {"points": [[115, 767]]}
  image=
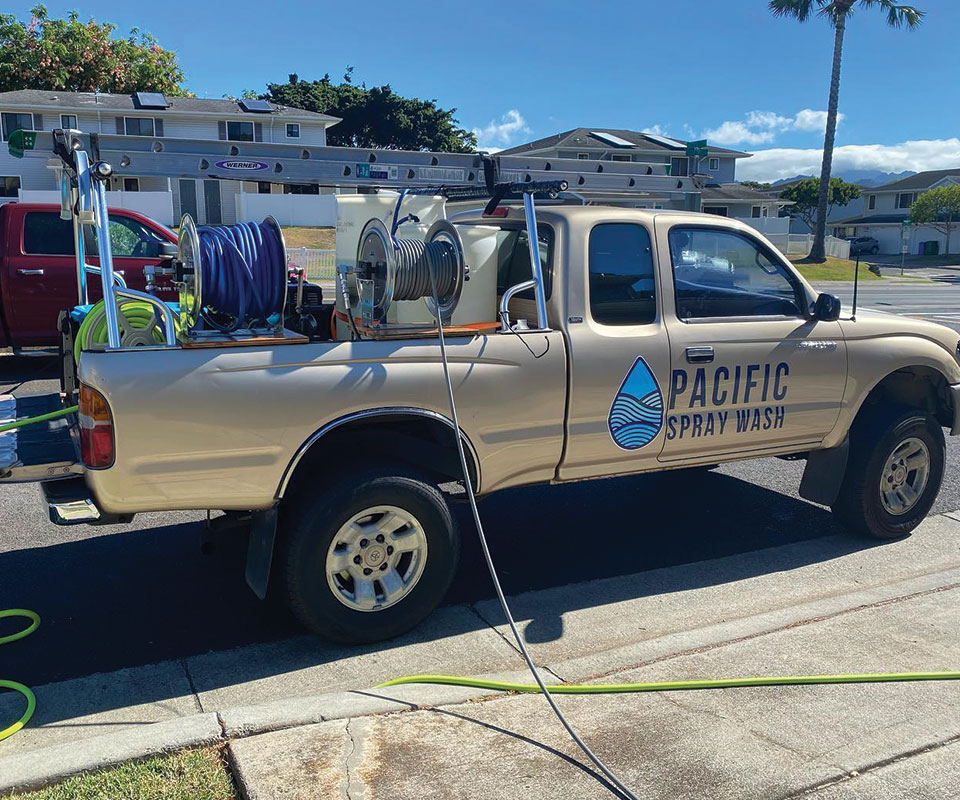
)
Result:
{"points": [[674, 340]]}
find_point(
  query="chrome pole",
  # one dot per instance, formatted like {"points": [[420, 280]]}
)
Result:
{"points": [[81, 261], [530, 213], [106, 263]]}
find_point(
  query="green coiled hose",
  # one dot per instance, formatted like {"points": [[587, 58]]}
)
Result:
{"points": [[19, 687], [135, 316]]}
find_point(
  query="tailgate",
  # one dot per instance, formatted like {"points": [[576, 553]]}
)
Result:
{"points": [[43, 451]]}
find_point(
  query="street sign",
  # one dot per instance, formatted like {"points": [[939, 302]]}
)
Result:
{"points": [[907, 222], [21, 140], [904, 248], [697, 149]]}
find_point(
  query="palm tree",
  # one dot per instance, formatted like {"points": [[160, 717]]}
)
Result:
{"points": [[837, 12]]}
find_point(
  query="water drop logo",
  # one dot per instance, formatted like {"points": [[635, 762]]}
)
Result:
{"points": [[636, 415]]}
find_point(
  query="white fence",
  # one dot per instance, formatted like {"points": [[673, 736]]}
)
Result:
{"points": [[310, 210], [318, 264], [768, 225], [156, 205], [800, 244]]}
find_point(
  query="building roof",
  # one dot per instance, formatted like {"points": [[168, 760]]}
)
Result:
{"points": [[93, 101], [736, 192], [922, 180], [585, 138], [873, 219]]}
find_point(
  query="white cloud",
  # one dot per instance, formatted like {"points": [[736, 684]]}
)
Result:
{"points": [[762, 127], [656, 130], [918, 155], [500, 133]]}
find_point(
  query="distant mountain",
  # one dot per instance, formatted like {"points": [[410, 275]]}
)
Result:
{"points": [[865, 177]]}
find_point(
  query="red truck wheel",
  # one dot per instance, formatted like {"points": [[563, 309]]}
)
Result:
{"points": [[369, 558]]}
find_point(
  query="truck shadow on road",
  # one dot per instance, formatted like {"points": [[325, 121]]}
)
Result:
{"points": [[138, 597]]}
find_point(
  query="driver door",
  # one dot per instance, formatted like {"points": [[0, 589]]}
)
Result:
{"points": [[751, 372]]}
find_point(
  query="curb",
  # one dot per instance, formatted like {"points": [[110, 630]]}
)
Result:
{"points": [[39, 768]]}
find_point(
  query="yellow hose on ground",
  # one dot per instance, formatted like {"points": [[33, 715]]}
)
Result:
{"points": [[19, 687]]}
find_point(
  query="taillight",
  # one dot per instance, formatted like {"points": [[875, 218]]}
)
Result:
{"points": [[96, 430]]}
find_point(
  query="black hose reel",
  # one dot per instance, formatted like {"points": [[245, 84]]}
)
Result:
{"points": [[391, 269]]}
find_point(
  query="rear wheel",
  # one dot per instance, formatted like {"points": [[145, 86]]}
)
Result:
{"points": [[893, 473], [874, 250], [369, 558]]}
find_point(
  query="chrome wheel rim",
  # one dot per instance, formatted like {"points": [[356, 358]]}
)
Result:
{"points": [[376, 558], [904, 477]]}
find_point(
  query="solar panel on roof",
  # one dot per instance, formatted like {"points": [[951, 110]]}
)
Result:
{"points": [[255, 106], [609, 138], [151, 100], [672, 143]]}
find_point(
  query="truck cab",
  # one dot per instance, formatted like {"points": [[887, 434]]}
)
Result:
{"points": [[38, 277]]}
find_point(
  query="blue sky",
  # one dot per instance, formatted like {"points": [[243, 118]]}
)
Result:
{"points": [[728, 71]]}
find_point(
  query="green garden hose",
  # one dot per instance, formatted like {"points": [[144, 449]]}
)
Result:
{"points": [[675, 686], [19, 687], [138, 320], [20, 423]]}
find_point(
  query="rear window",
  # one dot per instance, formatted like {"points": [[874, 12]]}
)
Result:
{"points": [[45, 234]]}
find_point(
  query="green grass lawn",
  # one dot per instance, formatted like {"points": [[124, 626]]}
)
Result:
{"points": [[833, 269], [187, 775], [320, 238]]}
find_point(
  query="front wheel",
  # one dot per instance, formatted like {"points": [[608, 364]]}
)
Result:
{"points": [[874, 250], [893, 473], [369, 558]]}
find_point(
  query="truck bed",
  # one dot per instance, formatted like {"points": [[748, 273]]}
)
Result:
{"points": [[41, 452]]}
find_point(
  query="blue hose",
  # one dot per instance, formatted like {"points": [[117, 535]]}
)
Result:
{"points": [[244, 274]]}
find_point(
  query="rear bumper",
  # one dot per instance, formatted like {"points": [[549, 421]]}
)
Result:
{"points": [[955, 398], [69, 502]]}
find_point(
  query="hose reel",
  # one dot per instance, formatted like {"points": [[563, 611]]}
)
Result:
{"points": [[138, 327], [233, 278], [391, 269]]}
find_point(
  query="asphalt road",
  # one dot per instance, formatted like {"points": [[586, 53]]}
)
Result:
{"points": [[938, 300], [123, 596]]}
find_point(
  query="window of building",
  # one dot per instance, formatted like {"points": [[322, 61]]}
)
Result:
{"points": [[138, 126], [719, 273], [680, 166], [16, 122], [69, 121], [301, 188], [872, 202], [131, 184], [239, 131], [9, 185], [619, 157], [714, 164], [583, 156], [293, 130], [720, 211], [622, 289], [906, 199], [758, 212], [263, 187]]}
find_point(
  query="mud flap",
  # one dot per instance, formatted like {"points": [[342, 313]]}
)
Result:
{"points": [[263, 533], [824, 474]]}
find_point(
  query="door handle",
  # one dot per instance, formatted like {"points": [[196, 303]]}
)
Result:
{"points": [[30, 271], [699, 355]]}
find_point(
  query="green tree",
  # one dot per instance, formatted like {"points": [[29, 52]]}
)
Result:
{"points": [[376, 117], [74, 56], [939, 209], [805, 196], [760, 187], [837, 13]]}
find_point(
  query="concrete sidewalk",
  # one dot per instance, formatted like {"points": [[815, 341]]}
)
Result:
{"points": [[863, 741], [754, 610]]}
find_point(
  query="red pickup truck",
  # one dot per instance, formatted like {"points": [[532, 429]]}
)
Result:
{"points": [[38, 275]]}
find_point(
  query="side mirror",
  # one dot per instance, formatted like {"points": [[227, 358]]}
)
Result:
{"points": [[827, 308], [167, 250]]}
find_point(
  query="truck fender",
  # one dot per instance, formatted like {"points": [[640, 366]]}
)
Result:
{"points": [[824, 473]]}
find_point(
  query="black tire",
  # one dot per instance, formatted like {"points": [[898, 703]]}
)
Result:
{"points": [[873, 439], [308, 532], [874, 250]]}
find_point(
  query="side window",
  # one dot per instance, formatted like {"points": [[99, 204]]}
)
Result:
{"points": [[45, 234], [720, 273], [130, 239], [513, 260], [622, 288]]}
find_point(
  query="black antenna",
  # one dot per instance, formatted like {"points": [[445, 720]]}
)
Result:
{"points": [[856, 286]]}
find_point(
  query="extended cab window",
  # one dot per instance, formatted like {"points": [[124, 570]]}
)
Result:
{"points": [[513, 259], [45, 234], [720, 273], [622, 290]]}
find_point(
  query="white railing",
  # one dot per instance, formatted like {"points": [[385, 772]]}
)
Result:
{"points": [[800, 244], [306, 210], [318, 264], [156, 205], [768, 225]]}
